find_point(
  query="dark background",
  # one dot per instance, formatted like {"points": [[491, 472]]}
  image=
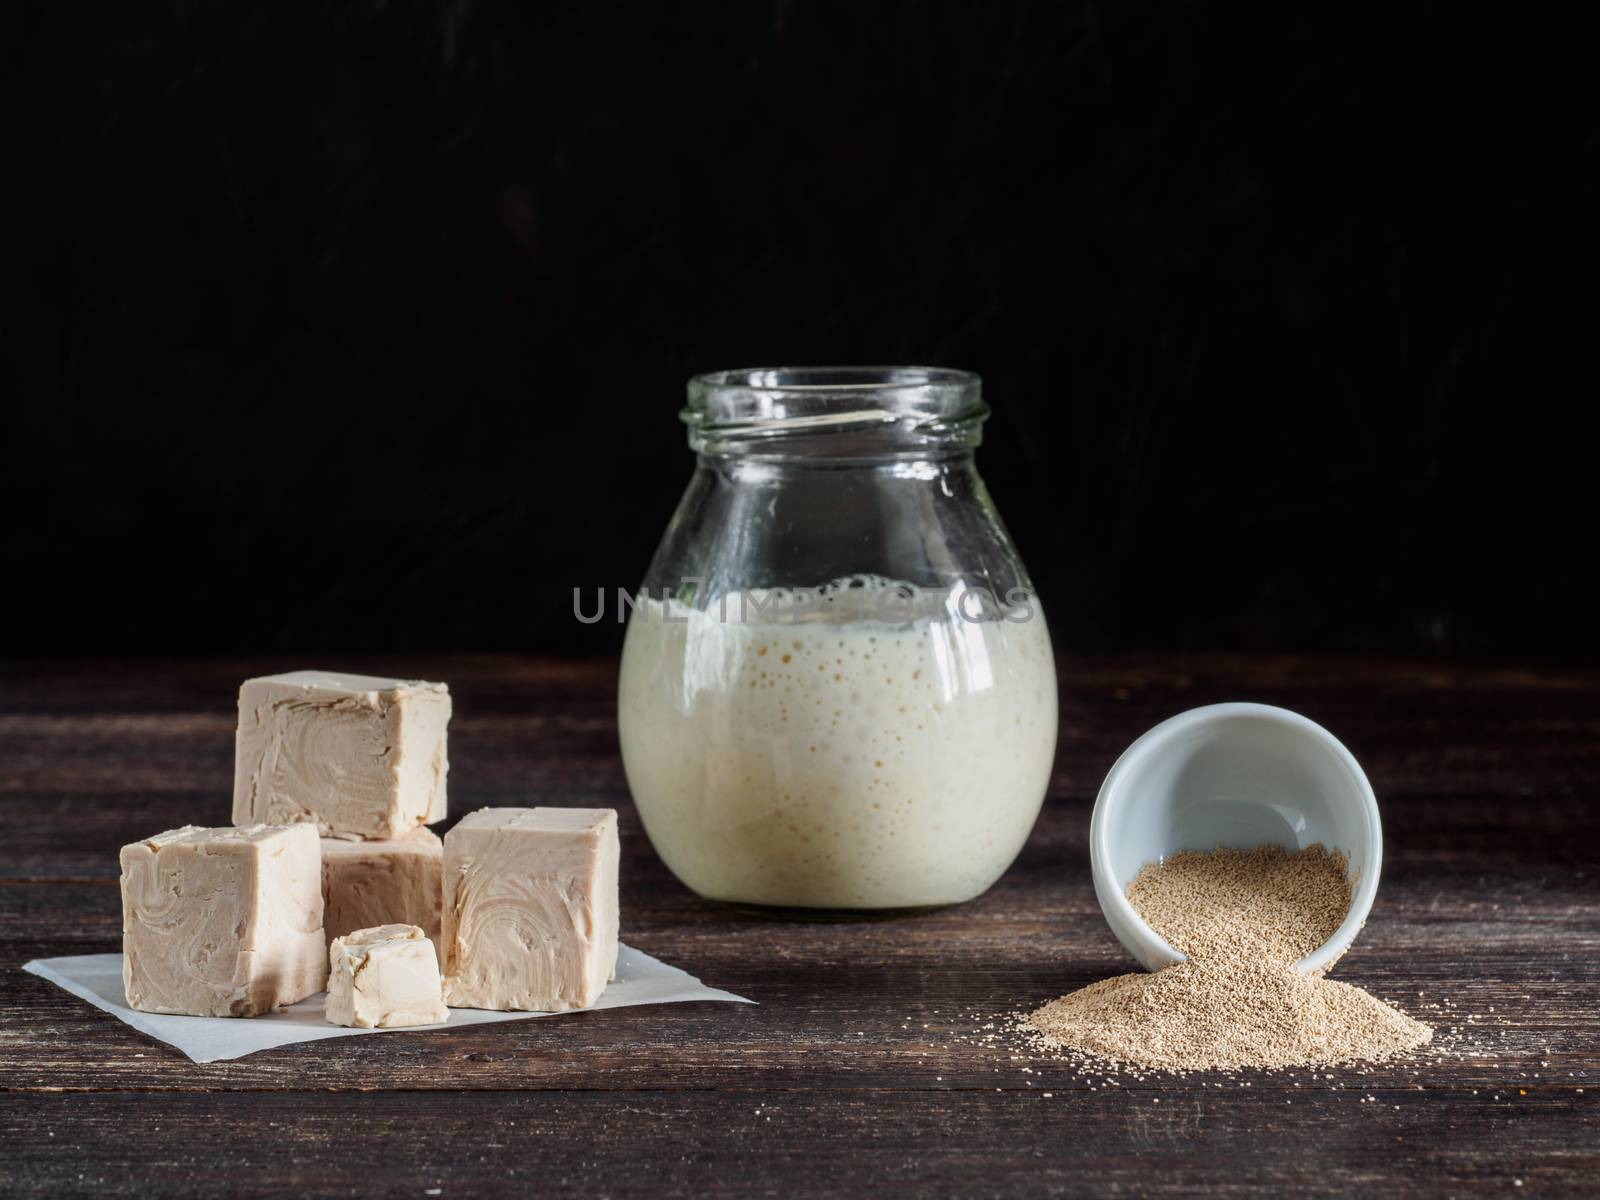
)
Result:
{"points": [[360, 327]]}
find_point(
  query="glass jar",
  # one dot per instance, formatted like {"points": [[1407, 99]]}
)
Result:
{"points": [[837, 685]]}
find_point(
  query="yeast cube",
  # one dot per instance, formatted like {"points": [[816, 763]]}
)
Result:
{"points": [[357, 756], [530, 908], [395, 881], [222, 922], [384, 977]]}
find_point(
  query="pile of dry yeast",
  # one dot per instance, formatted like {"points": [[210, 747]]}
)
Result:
{"points": [[1243, 918]]}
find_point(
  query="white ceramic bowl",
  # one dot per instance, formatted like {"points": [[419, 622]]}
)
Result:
{"points": [[1233, 775]]}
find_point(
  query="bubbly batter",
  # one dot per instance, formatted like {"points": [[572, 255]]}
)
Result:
{"points": [[837, 761]]}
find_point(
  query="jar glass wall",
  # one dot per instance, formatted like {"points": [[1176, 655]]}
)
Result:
{"points": [[838, 689]]}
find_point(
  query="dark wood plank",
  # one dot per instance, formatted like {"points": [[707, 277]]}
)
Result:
{"points": [[779, 1143]]}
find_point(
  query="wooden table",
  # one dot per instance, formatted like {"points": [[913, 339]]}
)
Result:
{"points": [[850, 1077]]}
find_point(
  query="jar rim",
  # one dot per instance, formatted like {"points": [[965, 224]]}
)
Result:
{"points": [[771, 401]]}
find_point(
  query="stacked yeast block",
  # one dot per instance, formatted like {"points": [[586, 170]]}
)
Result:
{"points": [[530, 908], [355, 755], [222, 922], [522, 902], [217, 922]]}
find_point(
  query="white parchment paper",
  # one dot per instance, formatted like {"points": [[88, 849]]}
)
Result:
{"points": [[97, 978]]}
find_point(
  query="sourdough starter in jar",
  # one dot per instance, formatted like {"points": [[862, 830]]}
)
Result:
{"points": [[837, 762]]}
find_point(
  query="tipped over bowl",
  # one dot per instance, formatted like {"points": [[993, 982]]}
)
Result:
{"points": [[1232, 776]]}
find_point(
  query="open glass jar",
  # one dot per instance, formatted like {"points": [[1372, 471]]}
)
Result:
{"points": [[837, 687]]}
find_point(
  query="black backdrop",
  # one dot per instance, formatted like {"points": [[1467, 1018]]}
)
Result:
{"points": [[362, 326]]}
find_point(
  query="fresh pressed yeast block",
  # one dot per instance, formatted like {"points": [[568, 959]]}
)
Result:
{"points": [[354, 755], [384, 977], [395, 881], [222, 922], [530, 908]]}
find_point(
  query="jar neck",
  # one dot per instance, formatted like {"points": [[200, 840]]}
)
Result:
{"points": [[835, 416]]}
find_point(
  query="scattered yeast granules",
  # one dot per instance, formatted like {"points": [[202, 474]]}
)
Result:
{"points": [[1243, 918]]}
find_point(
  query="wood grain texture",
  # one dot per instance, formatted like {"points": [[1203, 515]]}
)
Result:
{"points": [[858, 1071]]}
